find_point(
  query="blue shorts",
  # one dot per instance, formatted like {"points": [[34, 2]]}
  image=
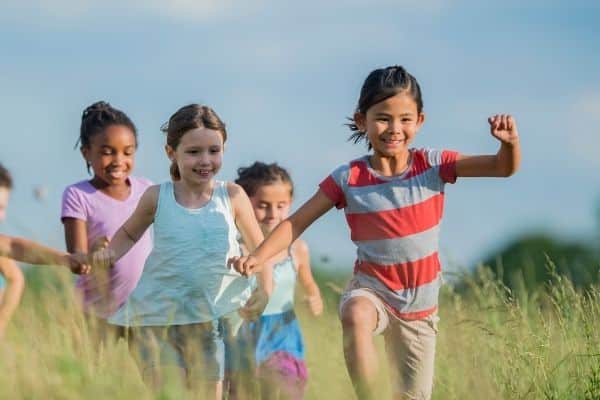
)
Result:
{"points": [[205, 350]]}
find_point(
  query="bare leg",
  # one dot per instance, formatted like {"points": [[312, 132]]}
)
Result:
{"points": [[359, 320], [276, 385]]}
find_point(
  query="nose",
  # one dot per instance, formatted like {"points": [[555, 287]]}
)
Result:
{"points": [[395, 126], [204, 158], [270, 213], [117, 159]]}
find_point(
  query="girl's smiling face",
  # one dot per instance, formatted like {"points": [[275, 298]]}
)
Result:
{"points": [[111, 154], [391, 125], [271, 204], [199, 155]]}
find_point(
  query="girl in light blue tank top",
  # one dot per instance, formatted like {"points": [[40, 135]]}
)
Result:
{"points": [[186, 279], [276, 336], [187, 305]]}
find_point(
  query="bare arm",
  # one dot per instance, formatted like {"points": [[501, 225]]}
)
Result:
{"points": [[312, 293], [31, 252], [505, 162], [286, 232], [75, 235], [131, 231], [12, 294]]}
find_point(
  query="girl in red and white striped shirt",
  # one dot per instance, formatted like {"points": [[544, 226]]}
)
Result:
{"points": [[393, 201]]}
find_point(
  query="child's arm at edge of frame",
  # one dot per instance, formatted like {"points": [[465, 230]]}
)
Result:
{"points": [[131, 231], [15, 282], [505, 162], [30, 252], [312, 293], [252, 236]]}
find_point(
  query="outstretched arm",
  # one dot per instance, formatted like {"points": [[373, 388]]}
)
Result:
{"points": [[312, 295], [131, 231], [285, 233], [32, 253], [505, 162], [12, 294]]}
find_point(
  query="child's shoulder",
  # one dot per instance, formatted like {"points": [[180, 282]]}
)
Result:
{"points": [[433, 157], [347, 165], [233, 189], [79, 188], [299, 247]]}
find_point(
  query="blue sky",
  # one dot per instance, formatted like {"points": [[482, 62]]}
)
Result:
{"points": [[285, 75]]}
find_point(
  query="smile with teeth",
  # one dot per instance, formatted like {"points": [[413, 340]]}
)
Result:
{"points": [[392, 141], [203, 172], [116, 174]]}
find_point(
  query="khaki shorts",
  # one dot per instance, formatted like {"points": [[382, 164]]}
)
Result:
{"points": [[410, 346]]}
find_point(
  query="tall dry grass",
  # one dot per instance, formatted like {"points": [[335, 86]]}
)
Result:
{"points": [[492, 344]]}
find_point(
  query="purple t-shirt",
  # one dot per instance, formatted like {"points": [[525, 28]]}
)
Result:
{"points": [[105, 291]]}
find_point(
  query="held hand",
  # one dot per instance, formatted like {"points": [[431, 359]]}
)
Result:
{"points": [[78, 263], [103, 258], [315, 304], [100, 243], [245, 265], [255, 305], [504, 128]]}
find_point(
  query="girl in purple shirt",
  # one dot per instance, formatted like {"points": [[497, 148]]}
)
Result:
{"points": [[93, 210]]}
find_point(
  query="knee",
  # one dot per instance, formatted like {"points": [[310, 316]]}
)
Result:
{"points": [[359, 315]]}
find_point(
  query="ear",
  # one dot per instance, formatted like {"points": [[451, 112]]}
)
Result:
{"points": [[85, 152], [170, 152], [420, 120], [360, 120]]}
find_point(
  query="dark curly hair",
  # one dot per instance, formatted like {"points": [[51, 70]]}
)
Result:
{"points": [[99, 116], [260, 174]]}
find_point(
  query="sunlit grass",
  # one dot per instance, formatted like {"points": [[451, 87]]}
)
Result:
{"points": [[493, 344]]}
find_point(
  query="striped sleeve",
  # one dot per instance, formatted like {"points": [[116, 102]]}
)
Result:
{"points": [[445, 161], [333, 186]]}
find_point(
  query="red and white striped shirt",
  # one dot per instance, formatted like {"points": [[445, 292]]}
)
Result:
{"points": [[395, 222]]}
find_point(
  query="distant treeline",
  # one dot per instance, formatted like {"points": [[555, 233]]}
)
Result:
{"points": [[530, 261]]}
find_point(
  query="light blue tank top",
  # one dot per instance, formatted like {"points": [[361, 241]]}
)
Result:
{"points": [[284, 283], [186, 279]]}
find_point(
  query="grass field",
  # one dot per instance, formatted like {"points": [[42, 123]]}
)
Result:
{"points": [[492, 344]]}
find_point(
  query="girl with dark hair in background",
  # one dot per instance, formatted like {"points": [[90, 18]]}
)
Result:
{"points": [[276, 337], [94, 209]]}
